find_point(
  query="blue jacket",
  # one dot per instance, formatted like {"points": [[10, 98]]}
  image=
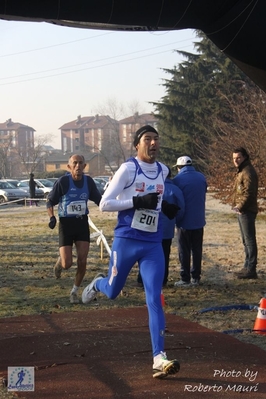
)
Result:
{"points": [[173, 195], [194, 187]]}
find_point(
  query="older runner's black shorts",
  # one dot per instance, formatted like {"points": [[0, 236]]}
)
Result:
{"points": [[73, 229]]}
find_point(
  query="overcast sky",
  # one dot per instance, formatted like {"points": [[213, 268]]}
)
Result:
{"points": [[51, 74]]}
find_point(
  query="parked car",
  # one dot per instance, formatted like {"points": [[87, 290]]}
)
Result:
{"points": [[44, 184], [52, 179], [100, 184], [24, 186], [10, 193], [106, 178]]}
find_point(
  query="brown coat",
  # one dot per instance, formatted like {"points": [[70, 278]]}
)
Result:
{"points": [[246, 188]]}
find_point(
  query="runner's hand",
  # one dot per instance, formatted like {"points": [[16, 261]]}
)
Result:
{"points": [[52, 222], [148, 201], [170, 210]]}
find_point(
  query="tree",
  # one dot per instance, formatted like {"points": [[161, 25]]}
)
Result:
{"points": [[113, 149], [33, 157], [185, 113], [6, 157], [246, 127]]}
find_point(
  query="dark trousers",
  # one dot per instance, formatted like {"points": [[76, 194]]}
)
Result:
{"points": [[248, 235], [190, 244], [166, 244]]}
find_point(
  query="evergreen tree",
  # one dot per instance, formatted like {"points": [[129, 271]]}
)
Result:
{"points": [[193, 98], [210, 108]]}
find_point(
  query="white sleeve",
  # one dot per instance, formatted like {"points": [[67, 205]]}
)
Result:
{"points": [[122, 178]]}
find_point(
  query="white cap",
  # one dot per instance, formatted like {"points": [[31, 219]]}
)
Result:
{"points": [[183, 161]]}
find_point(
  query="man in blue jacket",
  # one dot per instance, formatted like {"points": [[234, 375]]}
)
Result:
{"points": [[193, 184], [173, 195]]}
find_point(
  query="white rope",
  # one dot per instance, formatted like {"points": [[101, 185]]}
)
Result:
{"points": [[100, 237]]}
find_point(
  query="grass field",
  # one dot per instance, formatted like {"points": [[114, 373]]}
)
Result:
{"points": [[29, 250]]}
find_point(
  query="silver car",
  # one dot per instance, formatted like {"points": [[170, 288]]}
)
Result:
{"points": [[11, 193], [24, 186]]}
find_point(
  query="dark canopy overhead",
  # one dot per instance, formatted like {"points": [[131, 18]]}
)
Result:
{"points": [[237, 27]]}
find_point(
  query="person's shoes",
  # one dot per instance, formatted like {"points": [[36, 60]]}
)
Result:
{"points": [[89, 292], [165, 367], [73, 298], [58, 268], [246, 274], [182, 283], [195, 281]]}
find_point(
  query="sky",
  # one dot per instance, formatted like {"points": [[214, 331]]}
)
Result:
{"points": [[51, 74]]}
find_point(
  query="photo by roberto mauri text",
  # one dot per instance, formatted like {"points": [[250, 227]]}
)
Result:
{"points": [[249, 384]]}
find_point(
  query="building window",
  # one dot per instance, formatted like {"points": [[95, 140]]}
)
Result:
{"points": [[64, 144], [99, 139]]}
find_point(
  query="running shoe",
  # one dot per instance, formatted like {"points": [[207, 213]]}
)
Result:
{"points": [[73, 298], [182, 283], [89, 292], [165, 367]]}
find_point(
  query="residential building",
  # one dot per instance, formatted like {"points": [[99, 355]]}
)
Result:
{"points": [[104, 135], [88, 132], [16, 134], [16, 143], [95, 163]]}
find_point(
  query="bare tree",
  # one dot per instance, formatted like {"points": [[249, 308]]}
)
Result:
{"points": [[113, 150], [6, 157], [246, 127], [32, 158], [134, 108], [111, 107]]}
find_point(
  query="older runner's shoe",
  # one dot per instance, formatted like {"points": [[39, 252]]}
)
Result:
{"points": [[73, 298]]}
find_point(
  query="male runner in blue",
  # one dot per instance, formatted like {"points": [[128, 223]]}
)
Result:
{"points": [[136, 193], [71, 192]]}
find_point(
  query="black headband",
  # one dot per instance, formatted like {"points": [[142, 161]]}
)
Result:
{"points": [[139, 133]]}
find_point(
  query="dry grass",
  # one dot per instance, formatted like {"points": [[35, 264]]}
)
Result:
{"points": [[29, 250]]}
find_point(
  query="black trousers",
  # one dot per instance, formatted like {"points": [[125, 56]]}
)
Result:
{"points": [[190, 245]]}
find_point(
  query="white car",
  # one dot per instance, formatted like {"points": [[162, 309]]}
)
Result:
{"points": [[10, 193], [44, 184]]}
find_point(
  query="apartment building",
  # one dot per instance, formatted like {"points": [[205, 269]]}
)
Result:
{"points": [[94, 133], [104, 135], [16, 135], [15, 138]]}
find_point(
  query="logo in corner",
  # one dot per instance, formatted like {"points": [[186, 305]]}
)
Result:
{"points": [[20, 379]]}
